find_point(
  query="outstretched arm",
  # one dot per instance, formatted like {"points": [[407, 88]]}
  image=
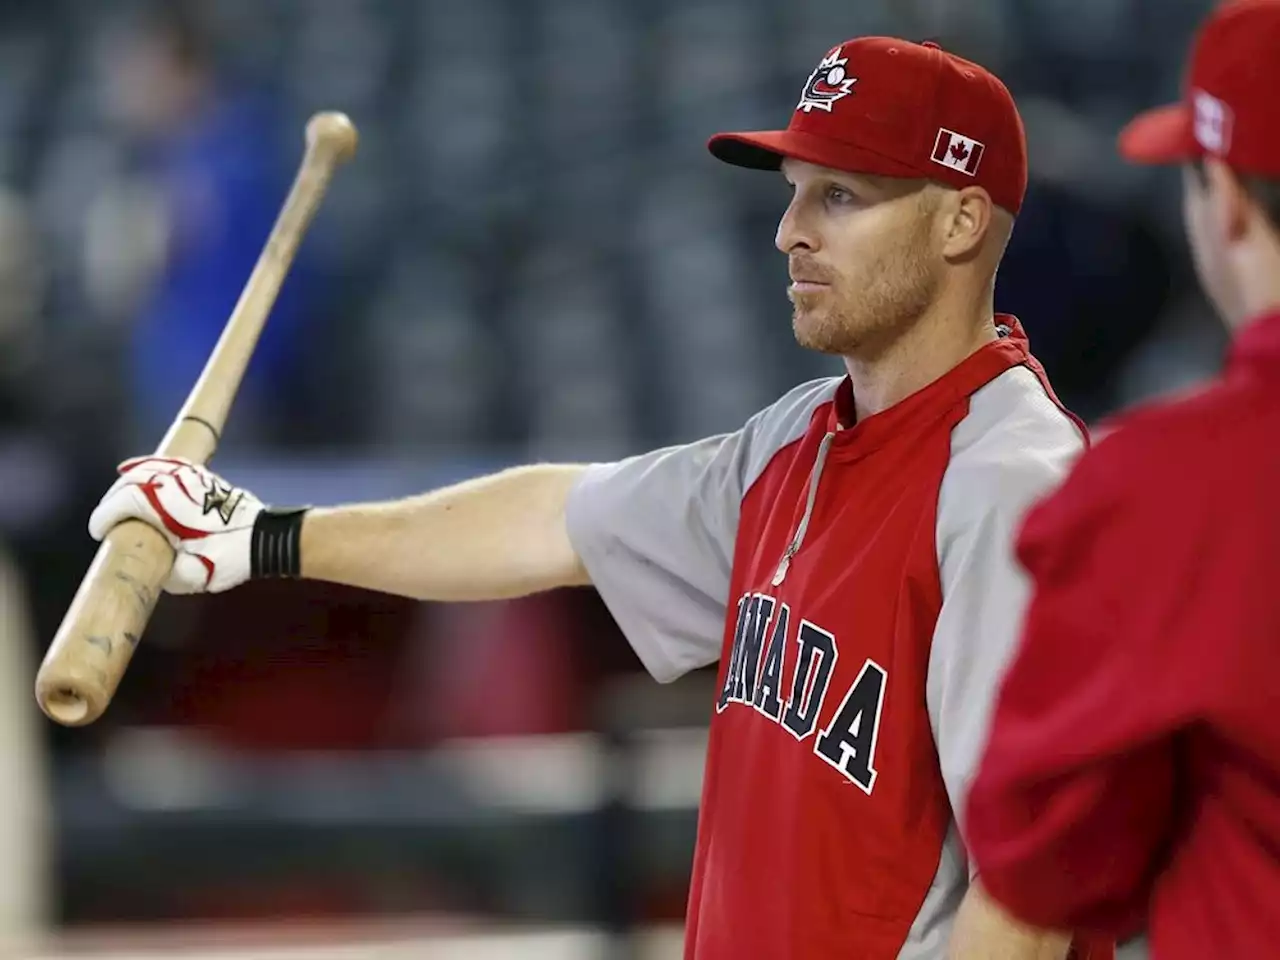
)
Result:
{"points": [[495, 537]]}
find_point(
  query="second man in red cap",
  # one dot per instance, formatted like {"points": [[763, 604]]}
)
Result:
{"points": [[1132, 780]]}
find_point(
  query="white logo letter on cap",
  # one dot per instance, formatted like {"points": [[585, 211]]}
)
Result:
{"points": [[827, 84], [957, 151], [1212, 123]]}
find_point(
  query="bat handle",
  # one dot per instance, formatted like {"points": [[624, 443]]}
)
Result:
{"points": [[332, 132]]}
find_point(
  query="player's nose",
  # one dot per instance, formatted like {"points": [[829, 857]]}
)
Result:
{"points": [[794, 232]]}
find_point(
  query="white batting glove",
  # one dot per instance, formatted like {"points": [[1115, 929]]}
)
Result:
{"points": [[222, 535]]}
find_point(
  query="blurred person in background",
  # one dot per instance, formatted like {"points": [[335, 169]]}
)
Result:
{"points": [[845, 555], [210, 153], [28, 477], [1132, 777], [26, 837]]}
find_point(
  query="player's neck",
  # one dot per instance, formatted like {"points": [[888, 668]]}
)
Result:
{"points": [[928, 349], [1257, 270]]}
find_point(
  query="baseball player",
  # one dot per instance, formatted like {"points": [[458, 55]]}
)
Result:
{"points": [[1132, 778], [845, 555]]}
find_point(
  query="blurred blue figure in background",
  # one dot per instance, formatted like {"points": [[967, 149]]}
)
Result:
{"points": [[212, 153]]}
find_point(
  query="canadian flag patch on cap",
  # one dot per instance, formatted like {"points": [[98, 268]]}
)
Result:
{"points": [[957, 151], [1213, 123]]}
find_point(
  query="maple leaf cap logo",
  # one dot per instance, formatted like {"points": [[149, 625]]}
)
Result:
{"points": [[829, 82]]}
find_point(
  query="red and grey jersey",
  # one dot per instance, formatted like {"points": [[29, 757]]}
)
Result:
{"points": [[857, 585]]}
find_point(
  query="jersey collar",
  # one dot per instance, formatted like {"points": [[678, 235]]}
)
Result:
{"points": [[1257, 343], [931, 401]]}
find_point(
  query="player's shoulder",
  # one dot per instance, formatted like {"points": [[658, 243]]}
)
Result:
{"points": [[795, 409], [1166, 461], [1183, 442], [783, 422], [1217, 410], [1014, 444]]}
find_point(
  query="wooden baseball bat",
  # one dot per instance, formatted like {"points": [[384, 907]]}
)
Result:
{"points": [[93, 646]]}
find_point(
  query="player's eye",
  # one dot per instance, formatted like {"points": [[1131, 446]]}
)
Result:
{"points": [[838, 194]]}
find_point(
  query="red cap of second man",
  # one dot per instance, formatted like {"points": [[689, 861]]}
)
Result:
{"points": [[1228, 107], [886, 106]]}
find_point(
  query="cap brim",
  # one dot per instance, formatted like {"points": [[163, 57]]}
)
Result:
{"points": [[766, 149], [1162, 135]]}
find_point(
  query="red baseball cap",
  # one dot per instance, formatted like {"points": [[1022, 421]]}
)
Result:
{"points": [[900, 109], [1228, 108]]}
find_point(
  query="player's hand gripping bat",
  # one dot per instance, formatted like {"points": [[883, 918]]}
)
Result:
{"points": [[93, 646]]}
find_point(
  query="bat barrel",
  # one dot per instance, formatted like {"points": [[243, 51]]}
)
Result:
{"points": [[97, 638], [69, 706]]}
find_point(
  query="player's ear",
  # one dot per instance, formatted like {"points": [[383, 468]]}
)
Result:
{"points": [[1228, 201], [966, 222]]}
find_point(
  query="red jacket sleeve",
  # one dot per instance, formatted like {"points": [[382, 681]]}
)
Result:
{"points": [[1072, 804]]}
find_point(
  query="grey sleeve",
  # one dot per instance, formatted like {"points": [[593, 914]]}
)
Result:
{"points": [[984, 496], [656, 532]]}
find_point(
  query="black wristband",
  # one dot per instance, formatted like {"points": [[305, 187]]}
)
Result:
{"points": [[275, 548]]}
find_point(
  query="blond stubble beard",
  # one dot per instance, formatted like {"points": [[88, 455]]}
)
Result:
{"points": [[899, 286]]}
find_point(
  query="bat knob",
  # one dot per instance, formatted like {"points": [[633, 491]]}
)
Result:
{"points": [[335, 132]]}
